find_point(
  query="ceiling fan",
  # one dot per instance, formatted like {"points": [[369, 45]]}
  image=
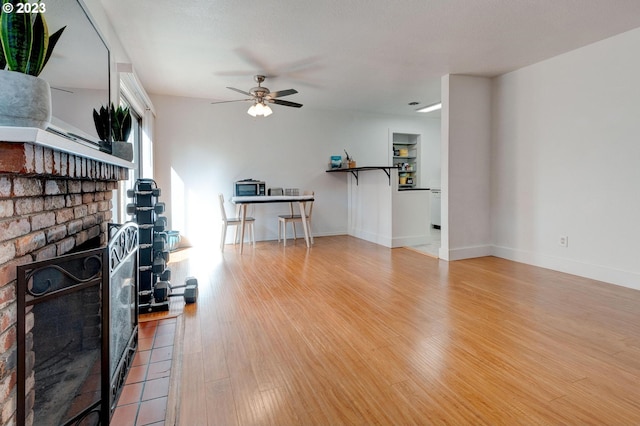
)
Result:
{"points": [[261, 97]]}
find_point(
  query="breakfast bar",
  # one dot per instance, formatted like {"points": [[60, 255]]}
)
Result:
{"points": [[244, 201]]}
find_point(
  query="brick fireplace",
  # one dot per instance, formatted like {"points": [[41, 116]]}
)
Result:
{"points": [[55, 195]]}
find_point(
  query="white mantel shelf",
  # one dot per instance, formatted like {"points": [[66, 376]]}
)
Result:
{"points": [[50, 140]]}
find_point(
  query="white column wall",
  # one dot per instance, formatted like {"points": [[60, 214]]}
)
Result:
{"points": [[566, 161], [466, 141]]}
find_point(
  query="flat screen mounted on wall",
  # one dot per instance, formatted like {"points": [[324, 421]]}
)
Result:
{"points": [[78, 71]]}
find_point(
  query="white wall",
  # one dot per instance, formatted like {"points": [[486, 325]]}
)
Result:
{"points": [[566, 161], [118, 52], [466, 141], [430, 154], [201, 149]]}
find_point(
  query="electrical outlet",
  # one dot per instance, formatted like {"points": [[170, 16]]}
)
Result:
{"points": [[563, 240]]}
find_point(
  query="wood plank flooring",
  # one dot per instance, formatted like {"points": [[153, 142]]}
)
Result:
{"points": [[349, 332]]}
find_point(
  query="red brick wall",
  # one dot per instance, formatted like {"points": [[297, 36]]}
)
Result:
{"points": [[50, 203]]}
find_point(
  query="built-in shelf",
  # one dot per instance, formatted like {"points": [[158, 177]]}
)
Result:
{"points": [[355, 170], [405, 155]]}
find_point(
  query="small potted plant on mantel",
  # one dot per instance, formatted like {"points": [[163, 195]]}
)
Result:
{"points": [[119, 121], [25, 48]]}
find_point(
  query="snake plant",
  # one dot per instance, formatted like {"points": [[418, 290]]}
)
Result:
{"points": [[26, 45], [118, 118]]}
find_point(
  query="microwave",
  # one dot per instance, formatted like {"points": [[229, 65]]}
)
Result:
{"points": [[249, 187]]}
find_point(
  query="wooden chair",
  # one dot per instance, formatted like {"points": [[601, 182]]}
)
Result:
{"points": [[234, 221], [292, 218]]}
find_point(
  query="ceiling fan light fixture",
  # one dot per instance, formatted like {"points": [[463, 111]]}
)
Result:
{"points": [[261, 96], [259, 109]]}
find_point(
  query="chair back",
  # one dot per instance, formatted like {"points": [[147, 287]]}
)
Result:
{"points": [[309, 203], [223, 212], [308, 206]]}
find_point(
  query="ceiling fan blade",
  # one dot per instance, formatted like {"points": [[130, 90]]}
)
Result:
{"points": [[237, 100], [239, 91], [281, 93], [285, 103], [256, 62], [235, 73]]}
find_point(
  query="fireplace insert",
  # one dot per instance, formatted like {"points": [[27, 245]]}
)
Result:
{"points": [[77, 332]]}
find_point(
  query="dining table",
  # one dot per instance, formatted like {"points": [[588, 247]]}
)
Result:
{"points": [[245, 200]]}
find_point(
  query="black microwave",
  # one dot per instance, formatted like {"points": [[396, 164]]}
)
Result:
{"points": [[249, 187]]}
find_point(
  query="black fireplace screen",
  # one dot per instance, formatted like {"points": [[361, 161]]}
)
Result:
{"points": [[123, 300], [77, 333]]}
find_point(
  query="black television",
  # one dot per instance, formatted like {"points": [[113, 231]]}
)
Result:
{"points": [[78, 71]]}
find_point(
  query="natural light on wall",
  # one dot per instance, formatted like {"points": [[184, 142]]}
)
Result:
{"points": [[147, 157], [193, 217], [177, 202], [194, 214]]}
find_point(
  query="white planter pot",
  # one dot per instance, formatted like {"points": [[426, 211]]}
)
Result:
{"points": [[25, 100]]}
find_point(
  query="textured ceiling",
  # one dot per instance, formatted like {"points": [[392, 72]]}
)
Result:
{"points": [[367, 55]]}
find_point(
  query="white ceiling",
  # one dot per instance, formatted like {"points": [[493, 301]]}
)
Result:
{"points": [[367, 55]]}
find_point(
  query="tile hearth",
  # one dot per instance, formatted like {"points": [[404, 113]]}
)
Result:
{"points": [[145, 398]]}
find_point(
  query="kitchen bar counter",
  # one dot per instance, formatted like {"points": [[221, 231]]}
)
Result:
{"points": [[383, 213]]}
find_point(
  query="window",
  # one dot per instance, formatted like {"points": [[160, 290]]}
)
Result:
{"points": [[133, 95], [134, 174]]}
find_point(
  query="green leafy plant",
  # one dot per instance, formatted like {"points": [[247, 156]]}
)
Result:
{"points": [[26, 45], [117, 119]]}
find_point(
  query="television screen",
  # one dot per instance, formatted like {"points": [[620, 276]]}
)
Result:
{"points": [[78, 70]]}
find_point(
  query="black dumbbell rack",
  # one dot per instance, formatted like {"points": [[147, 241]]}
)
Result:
{"points": [[153, 275], [154, 286]]}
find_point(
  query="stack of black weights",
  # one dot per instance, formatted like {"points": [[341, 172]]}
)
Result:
{"points": [[154, 287], [153, 257]]}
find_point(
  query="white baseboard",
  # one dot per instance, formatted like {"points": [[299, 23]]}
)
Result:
{"points": [[595, 272], [410, 241], [371, 237], [468, 252], [328, 234]]}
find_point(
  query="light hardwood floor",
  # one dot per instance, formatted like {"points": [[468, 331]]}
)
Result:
{"points": [[349, 332]]}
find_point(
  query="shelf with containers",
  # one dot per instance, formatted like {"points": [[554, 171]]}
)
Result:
{"points": [[406, 157]]}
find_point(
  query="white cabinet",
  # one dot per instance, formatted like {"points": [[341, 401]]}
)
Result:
{"points": [[406, 156]]}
